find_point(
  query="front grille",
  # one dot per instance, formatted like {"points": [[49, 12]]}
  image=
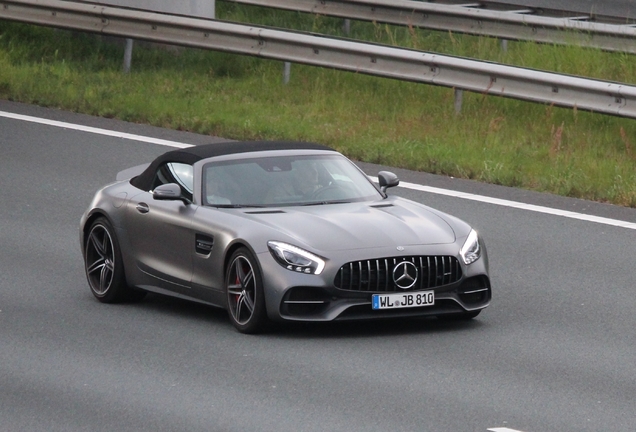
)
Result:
{"points": [[377, 274]]}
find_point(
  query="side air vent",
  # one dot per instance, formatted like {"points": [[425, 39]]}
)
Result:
{"points": [[203, 244]]}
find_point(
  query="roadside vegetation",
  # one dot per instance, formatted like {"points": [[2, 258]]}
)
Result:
{"points": [[408, 125]]}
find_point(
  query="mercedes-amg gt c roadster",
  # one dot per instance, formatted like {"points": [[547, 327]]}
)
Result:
{"points": [[279, 231]]}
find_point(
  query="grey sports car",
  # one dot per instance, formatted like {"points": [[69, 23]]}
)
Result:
{"points": [[279, 231]]}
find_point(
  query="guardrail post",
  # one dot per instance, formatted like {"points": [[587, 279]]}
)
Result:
{"points": [[504, 45], [286, 72], [129, 42], [346, 26], [128, 55], [459, 98]]}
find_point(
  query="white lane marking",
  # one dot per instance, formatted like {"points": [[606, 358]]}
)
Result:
{"points": [[502, 430], [520, 205], [414, 186], [94, 130]]}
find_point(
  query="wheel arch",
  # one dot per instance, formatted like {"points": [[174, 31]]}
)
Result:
{"points": [[92, 217], [233, 247]]}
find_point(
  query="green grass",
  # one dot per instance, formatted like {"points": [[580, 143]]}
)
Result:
{"points": [[414, 126]]}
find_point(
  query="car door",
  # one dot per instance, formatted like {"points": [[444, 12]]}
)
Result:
{"points": [[161, 238]]}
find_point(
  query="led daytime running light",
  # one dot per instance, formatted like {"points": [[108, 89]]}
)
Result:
{"points": [[296, 259], [471, 251]]}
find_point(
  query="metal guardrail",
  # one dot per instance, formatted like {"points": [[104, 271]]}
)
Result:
{"points": [[372, 59], [479, 18]]}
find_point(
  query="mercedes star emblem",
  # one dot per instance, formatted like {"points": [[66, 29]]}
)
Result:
{"points": [[405, 274]]}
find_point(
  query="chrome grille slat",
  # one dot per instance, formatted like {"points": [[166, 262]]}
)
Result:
{"points": [[436, 272], [351, 276], [376, 275], [458, 269], [443, 271]]}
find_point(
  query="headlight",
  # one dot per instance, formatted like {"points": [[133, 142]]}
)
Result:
{"points": [[296, 259], [471, 251]]}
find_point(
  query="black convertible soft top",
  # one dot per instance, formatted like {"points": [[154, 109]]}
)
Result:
{"points": [[194, 154]]}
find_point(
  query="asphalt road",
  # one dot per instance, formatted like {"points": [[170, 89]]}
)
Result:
{"points": [[554, 352]]}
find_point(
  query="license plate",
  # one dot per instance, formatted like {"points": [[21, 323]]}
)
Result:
{"points": [[404, 300]]}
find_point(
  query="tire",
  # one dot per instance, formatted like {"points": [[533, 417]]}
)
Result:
{"points": [[245, 295], [104, 266]]}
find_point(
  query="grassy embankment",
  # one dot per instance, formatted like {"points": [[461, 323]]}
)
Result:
{"points": [[408, 125]]}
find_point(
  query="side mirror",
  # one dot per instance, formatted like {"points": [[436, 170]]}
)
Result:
{"points": [[387, 179], [167, 192]]}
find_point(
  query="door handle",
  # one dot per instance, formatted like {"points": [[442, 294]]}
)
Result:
{"points": [[142, 208]]}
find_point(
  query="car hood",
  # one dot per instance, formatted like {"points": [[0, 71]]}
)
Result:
{"points": [[348, 226]]}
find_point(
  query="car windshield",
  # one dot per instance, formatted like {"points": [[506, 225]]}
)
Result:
{"points": [[285, 181]]}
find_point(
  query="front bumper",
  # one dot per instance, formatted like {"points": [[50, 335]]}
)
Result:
{"points": [[292, 296]]}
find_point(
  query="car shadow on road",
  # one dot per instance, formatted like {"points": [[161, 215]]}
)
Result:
{"points": [[375, 328], [175, 307]]}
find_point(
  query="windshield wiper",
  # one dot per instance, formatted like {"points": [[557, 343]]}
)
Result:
{"points": [[317, 203], [236, 206]]}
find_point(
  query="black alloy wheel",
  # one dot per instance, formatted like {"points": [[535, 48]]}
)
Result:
{"points": [[245, 297], [104, 266]]}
